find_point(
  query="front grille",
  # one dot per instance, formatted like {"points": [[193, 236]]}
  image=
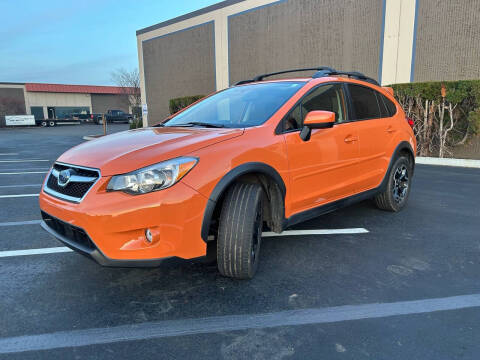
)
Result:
{"points": [[79, 170], [74, 234], [82, 179], [76, 190]]}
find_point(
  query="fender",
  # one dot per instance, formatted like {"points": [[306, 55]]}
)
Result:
{"points": [[228, 179]]}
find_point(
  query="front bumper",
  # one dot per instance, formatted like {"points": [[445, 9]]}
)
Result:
{"points": [[86, 246], [114, 224]]}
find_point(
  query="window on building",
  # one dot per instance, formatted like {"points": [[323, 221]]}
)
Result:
{"points": [[62, 112], [37, 112]]}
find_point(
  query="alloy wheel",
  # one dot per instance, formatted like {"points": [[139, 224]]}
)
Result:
{"points": [[400, 183]]}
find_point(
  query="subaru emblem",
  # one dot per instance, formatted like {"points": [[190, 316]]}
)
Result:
{"points": [[64, 177]]}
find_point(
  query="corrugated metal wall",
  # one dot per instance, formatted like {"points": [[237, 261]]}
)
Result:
{"points": [[448, 40], [176, 65]]}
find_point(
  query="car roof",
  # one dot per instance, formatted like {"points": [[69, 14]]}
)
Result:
{"points": [[315, 81]]}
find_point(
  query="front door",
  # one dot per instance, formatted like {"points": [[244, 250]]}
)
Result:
{"points": [[321, 169]]}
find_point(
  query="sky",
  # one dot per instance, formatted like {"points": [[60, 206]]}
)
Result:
{"points": [[77, 41]]}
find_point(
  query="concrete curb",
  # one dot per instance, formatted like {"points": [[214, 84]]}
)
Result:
{"points": [[448, 162], [91, 137]]}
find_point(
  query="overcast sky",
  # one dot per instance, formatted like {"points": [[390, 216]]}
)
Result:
{"points": [[77, 41]]}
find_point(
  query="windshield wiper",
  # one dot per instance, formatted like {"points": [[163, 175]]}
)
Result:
{"points": [[199, 123]]}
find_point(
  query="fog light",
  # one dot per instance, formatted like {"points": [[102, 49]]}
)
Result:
{"points": [[148, 235]]}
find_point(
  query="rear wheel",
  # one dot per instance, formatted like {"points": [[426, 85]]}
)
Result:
{"points": [[51, 123], [395, 196], [240, 231]]}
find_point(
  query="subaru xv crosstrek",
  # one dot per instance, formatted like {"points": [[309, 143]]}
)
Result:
{"points": [[208, 180]]}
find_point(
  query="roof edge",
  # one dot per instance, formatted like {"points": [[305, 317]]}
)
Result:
{"points": [[190, 15], [11, 83]]}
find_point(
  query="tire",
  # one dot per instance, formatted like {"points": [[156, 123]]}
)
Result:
{"points": [[44, 124], [51, 123], [395, 196], [240, 231]]}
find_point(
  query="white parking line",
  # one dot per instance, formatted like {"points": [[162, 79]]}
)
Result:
{"points": [[17, 196], [52, 250], [24, 172], [20, 160], [8, 154], [13, 186], [219, 324], [317, 232], [20, 223]]}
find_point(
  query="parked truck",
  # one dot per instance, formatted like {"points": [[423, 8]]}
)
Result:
{"points": [[118, 116]]}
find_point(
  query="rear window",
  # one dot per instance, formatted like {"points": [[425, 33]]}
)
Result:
{"points": [[365, 103]]}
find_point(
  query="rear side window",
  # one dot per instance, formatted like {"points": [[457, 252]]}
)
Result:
{"points": [[391, 108], [365, 103]]}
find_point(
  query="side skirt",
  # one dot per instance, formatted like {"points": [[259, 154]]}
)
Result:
{"points": [[324, 209]]}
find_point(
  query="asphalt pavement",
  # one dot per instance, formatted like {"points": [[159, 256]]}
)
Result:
{"points": [[404, 287]]}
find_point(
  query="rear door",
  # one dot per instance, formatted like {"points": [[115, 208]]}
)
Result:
{"points": [[375, 131], [321, 169]]}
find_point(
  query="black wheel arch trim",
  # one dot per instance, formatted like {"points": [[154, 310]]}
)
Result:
{"points": [[253, 167], [228, 179]]}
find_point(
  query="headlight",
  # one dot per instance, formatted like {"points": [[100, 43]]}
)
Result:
{"points": [[152, 178]]}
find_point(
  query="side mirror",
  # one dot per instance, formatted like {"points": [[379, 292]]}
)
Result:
{"points": [[318, 119]]}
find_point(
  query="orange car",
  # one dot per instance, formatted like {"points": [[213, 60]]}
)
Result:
{"points": [[209, 179]]}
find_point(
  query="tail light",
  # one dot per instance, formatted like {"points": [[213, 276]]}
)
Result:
{"points": [[410, 122], [91, 116]]}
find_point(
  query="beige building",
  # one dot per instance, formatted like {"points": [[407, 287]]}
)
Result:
{"points": [[55, 101], [394, 41]]}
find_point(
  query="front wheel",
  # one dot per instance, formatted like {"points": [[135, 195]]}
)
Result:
{"points": [[240, 231], [395, 196]]}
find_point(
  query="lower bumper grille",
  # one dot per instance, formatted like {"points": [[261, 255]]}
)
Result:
{"points": [[74, 234]]}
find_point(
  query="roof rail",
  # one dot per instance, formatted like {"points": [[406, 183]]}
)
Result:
{"points": [[352, 74], [261, 77], [321, 71]]}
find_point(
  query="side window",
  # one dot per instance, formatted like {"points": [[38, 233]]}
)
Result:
{"points": [[392, 109], [293, 120], [326, 97], [364, 102], [383, 108]]}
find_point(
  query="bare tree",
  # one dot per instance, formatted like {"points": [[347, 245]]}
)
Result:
{"points": [[129, 81], [11, 106]]}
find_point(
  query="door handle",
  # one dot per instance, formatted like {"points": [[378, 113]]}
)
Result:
{"points": [[350, 139], [391, 129]]}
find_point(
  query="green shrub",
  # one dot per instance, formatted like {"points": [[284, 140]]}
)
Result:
{"points": [[178, 104], [446, 113], [136, 123]]}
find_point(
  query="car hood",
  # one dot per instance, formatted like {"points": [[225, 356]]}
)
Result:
{"points": [[134, 149]]}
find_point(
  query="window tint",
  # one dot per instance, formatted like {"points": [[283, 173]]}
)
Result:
{"points": [[364, 102], [392, 109], [327, 97], [294, 119], [383, 108]]}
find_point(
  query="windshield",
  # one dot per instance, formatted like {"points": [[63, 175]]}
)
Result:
{"points": [[238, 107]]}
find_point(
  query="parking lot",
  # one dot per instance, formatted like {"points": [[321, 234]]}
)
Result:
{"points": [[366, 284]]}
